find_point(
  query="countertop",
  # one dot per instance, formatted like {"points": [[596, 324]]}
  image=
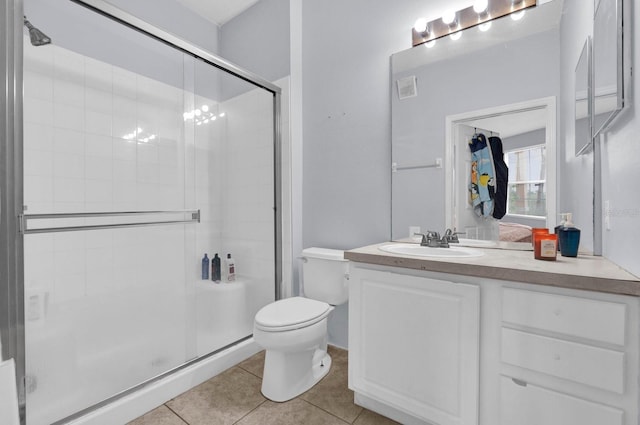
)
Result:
{"points": [[584, 272]]}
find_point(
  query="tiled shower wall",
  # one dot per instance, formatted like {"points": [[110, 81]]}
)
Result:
{"points": [[107, 309]]}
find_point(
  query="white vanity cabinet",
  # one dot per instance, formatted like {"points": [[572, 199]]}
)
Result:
{"points": [[568, 358], [413, 347], [445, 349]]}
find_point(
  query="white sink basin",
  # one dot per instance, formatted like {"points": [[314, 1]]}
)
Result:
{"points": [[425, 251]]}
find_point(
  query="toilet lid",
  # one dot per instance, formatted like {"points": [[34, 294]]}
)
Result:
{"points": [[291, 313]]}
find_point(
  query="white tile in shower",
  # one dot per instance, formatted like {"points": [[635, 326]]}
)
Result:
{"points": [[68, 287], [68, 65], [38, 111], [38, 137], [98, 100], [68, 117], [67, 92], [124, 83], [68, 165], [148, 173], [97, 123], [98, 191], [98, 75], [168, 153], [69, 261], [124, 116], [98, 145], [38, 85], [147, 152], [99, 168], [125, 196], [125, 171], [68, 141], [39, 163], [68, 191], [125, 150], [99, 239]]}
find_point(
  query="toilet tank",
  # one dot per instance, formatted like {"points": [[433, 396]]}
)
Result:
{"points": [[325, 275]]}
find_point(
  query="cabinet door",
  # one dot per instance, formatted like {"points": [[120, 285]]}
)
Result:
{"points": [[413, 345]]}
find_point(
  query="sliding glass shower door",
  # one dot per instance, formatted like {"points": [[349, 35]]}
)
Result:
{"points": [[139, 159]]}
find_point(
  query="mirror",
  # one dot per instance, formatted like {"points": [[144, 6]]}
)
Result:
{"points": [[513, 63], [583, 131], [608, 63]]}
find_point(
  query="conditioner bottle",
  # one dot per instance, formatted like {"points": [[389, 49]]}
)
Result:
{"points": [[229, 269]]}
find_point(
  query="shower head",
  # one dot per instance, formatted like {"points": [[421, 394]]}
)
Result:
{"points": [[38, 38]]}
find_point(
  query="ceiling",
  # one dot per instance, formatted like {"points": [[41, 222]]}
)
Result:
{"points": [[218, 11]]}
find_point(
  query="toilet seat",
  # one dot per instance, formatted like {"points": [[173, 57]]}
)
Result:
{"points": [[291, 313]]}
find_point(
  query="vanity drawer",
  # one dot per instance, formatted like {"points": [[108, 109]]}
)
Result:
{"points": [[580, 317], [526, 404], [584, 364]]}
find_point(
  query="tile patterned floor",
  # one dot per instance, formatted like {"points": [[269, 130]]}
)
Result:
{"points": [[234, 398]]}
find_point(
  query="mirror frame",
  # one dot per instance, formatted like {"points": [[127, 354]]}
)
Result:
{"points": [[549, 103], [580, 75], [602, 7]]}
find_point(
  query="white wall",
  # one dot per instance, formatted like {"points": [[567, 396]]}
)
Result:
{"points": [[619, 149]]}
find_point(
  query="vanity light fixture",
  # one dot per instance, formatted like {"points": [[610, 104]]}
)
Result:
{"points": [[482, 12]]}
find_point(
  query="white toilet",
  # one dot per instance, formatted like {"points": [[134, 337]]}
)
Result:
{"points": [[293, 331]]}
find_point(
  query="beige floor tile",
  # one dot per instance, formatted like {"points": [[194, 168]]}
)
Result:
{"points": [[159, 416], [294, 412], [222, 400], [254, 364], [332, 393], [367, 417]]}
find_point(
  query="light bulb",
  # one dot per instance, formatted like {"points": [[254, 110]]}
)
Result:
{"points": [[198, 112], [485, 27], [448, 17], [456, 35], [430, 44], [480, 6], [205, 108], [420, 26], [222, 114], [518, 15]]}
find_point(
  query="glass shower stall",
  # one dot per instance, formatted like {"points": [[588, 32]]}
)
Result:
{"points": [[130, 154]]}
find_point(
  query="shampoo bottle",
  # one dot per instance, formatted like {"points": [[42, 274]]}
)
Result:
{"points": [[205, 268], [215, 268], [229, 268], [569, 238]]}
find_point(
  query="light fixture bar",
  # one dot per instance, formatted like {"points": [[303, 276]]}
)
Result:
{"points": [[467, 18]]}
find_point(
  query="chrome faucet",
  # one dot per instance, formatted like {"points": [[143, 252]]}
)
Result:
{"points": [[432, 239], [452, 236]]}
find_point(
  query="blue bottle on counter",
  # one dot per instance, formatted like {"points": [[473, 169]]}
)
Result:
{"points": [[205, 267], [569, 237]]}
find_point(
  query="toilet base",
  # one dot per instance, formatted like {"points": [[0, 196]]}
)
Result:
{"points": [[287, 374]]}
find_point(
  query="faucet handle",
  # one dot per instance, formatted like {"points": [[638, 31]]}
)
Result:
{"points": [[423, 242], [452, 236]]}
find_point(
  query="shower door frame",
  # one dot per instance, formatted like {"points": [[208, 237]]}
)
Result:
{"points": [[12, 320]]}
